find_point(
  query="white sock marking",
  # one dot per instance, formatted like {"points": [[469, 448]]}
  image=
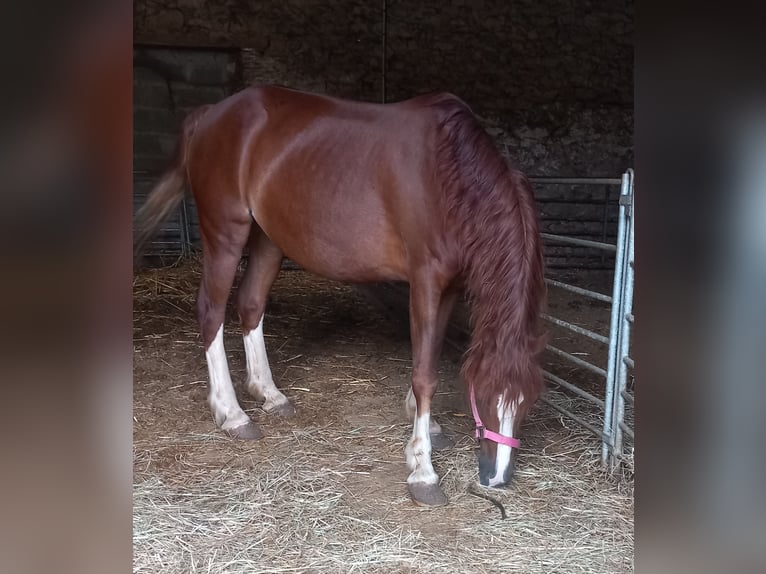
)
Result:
{"points": [[411, 408], [260, 382], [222, 398], [418, 453], [506, 417]]}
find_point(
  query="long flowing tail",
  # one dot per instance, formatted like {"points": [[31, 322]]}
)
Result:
{"points": [[168, 193]]}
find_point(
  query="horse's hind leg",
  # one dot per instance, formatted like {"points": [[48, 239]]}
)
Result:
{"points": [[221, 257], [264, 263]]}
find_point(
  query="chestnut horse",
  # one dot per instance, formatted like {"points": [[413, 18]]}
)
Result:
{"points": [[411, 191]]}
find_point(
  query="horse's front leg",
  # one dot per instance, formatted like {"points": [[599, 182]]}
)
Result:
{"points": [[428, 308], [439, 440]]}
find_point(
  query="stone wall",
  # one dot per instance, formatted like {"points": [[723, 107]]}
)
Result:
{"points": [[514, 53], [552, 80], [331, 47]]}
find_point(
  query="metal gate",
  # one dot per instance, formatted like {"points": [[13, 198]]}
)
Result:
{"points": [[614, 428]]}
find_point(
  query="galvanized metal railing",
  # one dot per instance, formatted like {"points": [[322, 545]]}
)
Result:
{"points": [[620, 329], [613, 427]]}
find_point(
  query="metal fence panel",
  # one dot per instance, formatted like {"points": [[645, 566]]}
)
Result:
{"points": [[614, 428]]}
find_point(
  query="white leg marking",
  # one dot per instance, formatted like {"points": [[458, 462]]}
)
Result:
{"points": [[418, 453], [410, 405], [260, 383], [506, 417], [411, 408], [222, 398]]}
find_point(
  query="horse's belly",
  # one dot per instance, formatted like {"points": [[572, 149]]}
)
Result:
{"points": [[345, 219], [349, 253]]}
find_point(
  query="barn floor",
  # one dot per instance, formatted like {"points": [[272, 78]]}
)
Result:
{"points": [[325, 490]]}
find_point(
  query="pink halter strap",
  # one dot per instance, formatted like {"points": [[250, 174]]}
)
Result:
{"points": [[482, 432]]}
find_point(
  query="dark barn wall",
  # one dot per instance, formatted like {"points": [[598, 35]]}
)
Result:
{"points": [[552, 80], [167, 84], [330, 47]]}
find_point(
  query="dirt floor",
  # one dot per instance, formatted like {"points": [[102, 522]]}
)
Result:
{"points": [[325, 490]]}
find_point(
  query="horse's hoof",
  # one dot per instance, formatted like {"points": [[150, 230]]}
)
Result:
{"points": [[247, 431], [427, 494], [441, 441], [285, 409]]}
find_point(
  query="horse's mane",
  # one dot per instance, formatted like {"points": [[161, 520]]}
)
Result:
{"points": [[490, 208]]}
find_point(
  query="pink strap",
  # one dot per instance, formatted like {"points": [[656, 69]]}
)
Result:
{"points": [[482, 432]]}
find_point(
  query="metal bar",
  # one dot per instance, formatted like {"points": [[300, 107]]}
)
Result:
{"points": [[580, 242], [574, 417], [577, 180], [577, 360], [628, 397], [580, 291], [185, 230], [605, 215], [628, 431], [625, 310], [605, 221], [611, 370], [576, 329], [576, 390], [628, 361]]}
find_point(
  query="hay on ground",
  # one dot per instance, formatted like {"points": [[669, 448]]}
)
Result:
{"points": [[328, 494]]}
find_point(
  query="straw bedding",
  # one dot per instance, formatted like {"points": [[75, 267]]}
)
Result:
{"points": [[325, 491]]}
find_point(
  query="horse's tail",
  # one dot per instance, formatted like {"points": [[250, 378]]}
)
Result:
{"points": [[492, 210], [168, 193]]}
